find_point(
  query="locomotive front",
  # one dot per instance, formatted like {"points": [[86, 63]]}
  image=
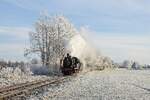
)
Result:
{"points": [[70, 65]]}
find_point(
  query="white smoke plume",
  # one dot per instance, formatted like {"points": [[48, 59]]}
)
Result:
{"points": [[81, 47]]}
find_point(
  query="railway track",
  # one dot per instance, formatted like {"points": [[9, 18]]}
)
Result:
{"points": [[23, 89]]}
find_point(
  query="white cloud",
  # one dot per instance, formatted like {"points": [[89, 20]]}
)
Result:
{"points": [[120, 47], [18, 32], [94, 4], [13, 50], [32, 5]]}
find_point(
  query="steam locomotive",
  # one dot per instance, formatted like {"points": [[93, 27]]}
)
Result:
{"points": [[70, 65]]}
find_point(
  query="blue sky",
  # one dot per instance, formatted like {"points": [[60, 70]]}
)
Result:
{"points": [[119, 28]]}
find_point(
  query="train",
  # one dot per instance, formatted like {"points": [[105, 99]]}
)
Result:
{"points": [[70, 65]]}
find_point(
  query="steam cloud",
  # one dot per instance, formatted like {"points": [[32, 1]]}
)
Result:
{"points": [[87, 53]]}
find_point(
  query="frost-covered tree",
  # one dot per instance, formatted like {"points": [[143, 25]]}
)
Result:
{"points": [[50, 38]]}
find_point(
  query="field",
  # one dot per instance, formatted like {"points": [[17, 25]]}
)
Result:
{"points": [[118, 84]]}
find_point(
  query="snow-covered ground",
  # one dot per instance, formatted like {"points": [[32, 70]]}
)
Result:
{"points": [[110, 84], [10, 76], [118, 84]]}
